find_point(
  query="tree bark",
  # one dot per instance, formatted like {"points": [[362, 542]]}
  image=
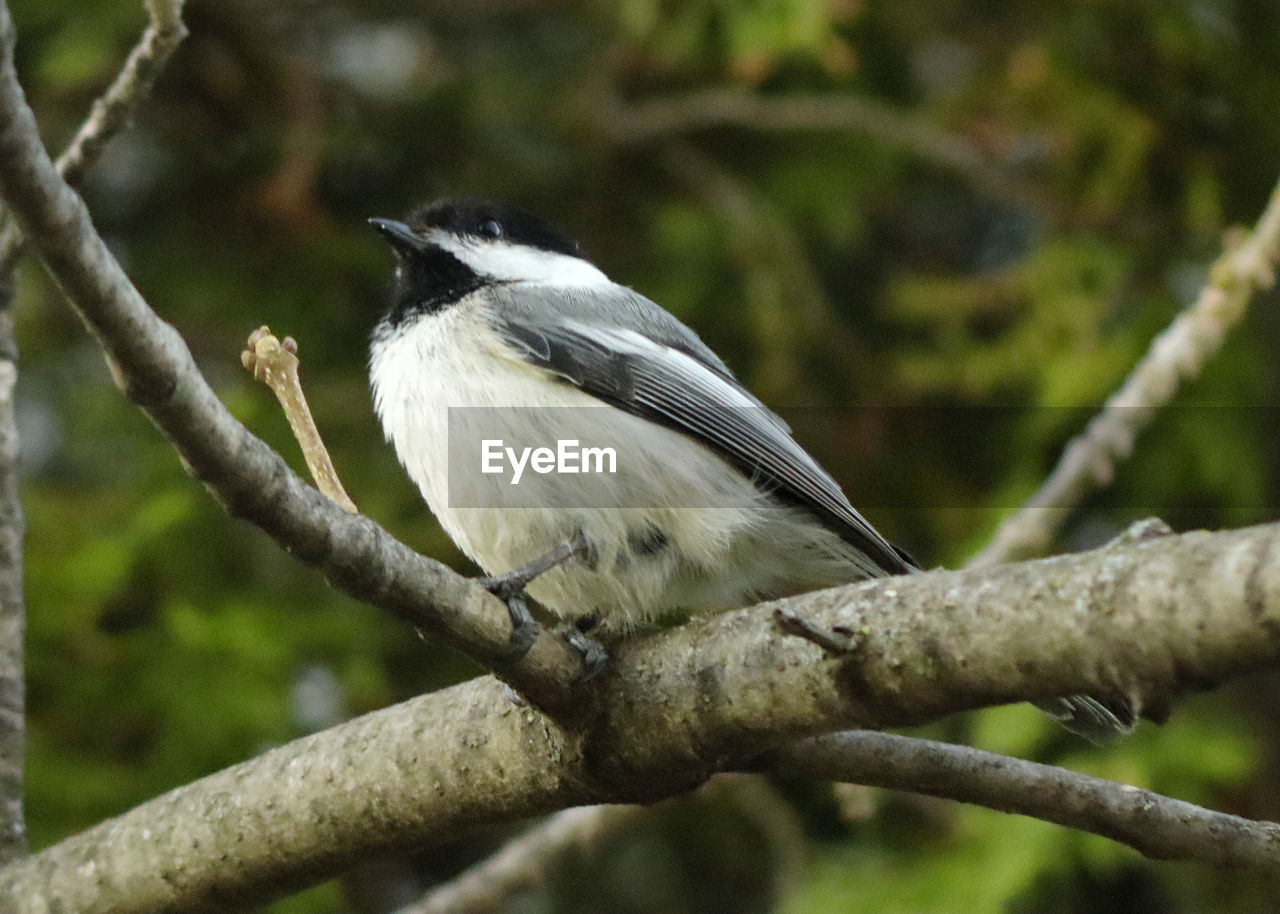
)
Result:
{"points": [[1148, 618], [13, 837]]}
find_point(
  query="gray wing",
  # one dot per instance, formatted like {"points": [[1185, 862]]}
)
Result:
{"points": [[678, 383]]}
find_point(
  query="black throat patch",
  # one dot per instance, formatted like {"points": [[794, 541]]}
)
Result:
{"points": [[430, 280]]}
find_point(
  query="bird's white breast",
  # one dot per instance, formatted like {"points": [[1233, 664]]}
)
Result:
{"points": [[448, 359]]}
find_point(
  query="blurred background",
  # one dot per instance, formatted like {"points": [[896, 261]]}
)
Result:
{"points": [[935, 235]]}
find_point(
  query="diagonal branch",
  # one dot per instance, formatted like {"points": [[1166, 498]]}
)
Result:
{"points": [[1148, 618], [131, 87], [1246, 265], [153, 366]]}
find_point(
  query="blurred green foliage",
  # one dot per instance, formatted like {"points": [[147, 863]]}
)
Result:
{"points": [[830, 268]]}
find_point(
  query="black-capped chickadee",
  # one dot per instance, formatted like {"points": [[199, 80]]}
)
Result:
{"points": [[502, 333]]}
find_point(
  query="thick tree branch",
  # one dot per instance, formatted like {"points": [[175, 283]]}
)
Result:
{"points": [[1246, 265], [1155, 825], [155, 369], [1147, 618]]}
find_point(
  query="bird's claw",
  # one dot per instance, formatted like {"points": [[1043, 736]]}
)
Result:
{"points": [[524, 628], [593, 654]]}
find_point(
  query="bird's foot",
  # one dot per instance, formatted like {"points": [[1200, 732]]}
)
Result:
{"points": [[510, 587], [594, 655]]}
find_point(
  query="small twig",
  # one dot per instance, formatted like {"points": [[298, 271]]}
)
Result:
{"points": [[276, 364], [1246, 265], [1156, 826], [112, 110], [837, 641]]}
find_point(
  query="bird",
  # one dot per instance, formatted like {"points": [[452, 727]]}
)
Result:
{"points": [[501, 331]]}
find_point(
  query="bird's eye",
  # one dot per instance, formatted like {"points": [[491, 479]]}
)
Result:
{"points": [[490, 228]]}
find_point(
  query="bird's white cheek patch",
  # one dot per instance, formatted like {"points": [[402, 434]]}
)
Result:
{"points": [[520, 263]]}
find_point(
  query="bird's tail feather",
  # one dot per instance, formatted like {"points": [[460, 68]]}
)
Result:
{"points": [[1097, 720]]}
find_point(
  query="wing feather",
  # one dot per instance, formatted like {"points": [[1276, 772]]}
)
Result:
{"points": [[700, 398]]}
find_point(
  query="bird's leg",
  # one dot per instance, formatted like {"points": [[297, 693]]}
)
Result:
{"points": [[509, 588]]}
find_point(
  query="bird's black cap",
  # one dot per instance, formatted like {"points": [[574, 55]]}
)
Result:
{"points": [[479, 218]]}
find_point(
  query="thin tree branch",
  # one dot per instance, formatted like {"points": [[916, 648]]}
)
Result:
{"points": [[131, 87], [1145, 618], [13, 836], [1246, 265], [640, 122], [1155, 825], [524, 861], [152, 364], [114, 108]]}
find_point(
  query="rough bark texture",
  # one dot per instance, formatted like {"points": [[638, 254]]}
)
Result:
{"points": [[1148, 618], [13, 839]]}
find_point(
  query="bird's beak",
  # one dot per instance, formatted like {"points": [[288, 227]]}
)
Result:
{"points": [[399, 235]]}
